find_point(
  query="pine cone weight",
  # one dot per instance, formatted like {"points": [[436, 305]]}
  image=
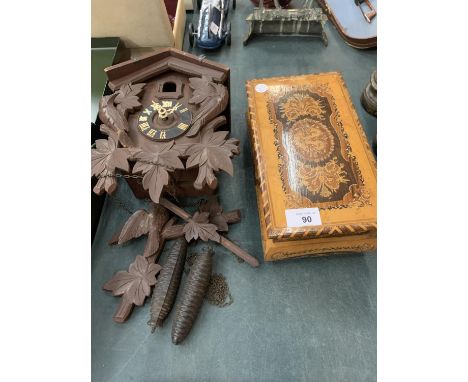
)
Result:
{"points": [[166, 287], [191, 300]]}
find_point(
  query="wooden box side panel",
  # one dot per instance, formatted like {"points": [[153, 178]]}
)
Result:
{"points": [[282, 250]]}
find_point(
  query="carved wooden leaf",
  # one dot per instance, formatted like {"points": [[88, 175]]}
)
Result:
{"points": [[107, 157], [105, 184], [156, 167], [213, 153], [215, 211], [154, 180], [109, 132], [109, 114], [220, 222], [128, 99], [198, 227], [202, 89], [135, 284], [213, 98]]}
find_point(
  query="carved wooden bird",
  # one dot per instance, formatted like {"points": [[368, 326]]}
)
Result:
{"points": [[212, 98], [144, 223], [115, 124]]}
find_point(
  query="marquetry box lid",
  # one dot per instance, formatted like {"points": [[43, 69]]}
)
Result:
{"points": [[310, 152]]}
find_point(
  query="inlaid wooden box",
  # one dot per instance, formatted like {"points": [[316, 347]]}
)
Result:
{"points": [[311, 155]]}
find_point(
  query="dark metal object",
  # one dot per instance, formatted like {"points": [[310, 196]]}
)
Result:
{"points": [[369, 95], [286, 22], [166, 287], [218, 291], [191, 300]]}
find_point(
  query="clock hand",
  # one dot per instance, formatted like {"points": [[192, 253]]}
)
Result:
{"points": [[162, 112], [173, 109]]}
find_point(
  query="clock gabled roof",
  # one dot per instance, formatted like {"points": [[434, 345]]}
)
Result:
{"points": [[162, 61]]}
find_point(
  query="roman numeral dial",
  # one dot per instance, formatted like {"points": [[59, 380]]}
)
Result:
{"points": [[164, 120]]}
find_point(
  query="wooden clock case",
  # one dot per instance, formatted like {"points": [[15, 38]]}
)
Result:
{"points": [[163, 120], [166, 76]]}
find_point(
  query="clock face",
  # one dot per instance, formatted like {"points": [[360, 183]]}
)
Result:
{"points": [[164, 120]]}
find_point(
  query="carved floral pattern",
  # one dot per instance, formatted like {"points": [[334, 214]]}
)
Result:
{"points": [[299, 105], [361, 199], [105, 159], [128, 99], [199, 227], [213, 153], [312, 140], [323, 180], [212, 99]]}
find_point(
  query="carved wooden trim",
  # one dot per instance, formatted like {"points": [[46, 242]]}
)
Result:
{"points": [[224, 241], [339, 250], [332, 230], [162, 61]]}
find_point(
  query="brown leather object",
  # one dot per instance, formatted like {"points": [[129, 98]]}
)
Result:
{"points": [[310, 151]]}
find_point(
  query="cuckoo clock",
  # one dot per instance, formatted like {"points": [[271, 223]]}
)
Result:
{"points": [[166, 121], [162, 120]]}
